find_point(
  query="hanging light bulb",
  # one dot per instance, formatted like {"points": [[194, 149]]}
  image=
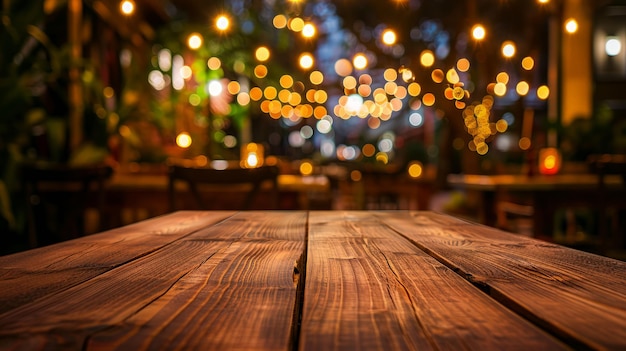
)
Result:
{"points": [[127, 7]]}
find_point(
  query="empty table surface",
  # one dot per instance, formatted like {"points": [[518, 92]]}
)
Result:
{"points": [[310, 280]]}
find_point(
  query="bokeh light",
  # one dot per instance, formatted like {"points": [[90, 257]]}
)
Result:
{"points": [[262, 53], [427, 58], [127, 7], [508, 49], [194, 41], [571, 26], [309, 30], [222, 22], [389, 37], [360, 61], [306, 60], [479, 32], [183, 140]]}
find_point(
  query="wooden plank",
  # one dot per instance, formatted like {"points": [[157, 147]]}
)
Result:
{"points": [[229, 285], [29, 275], [577, 296], [368, 288]]}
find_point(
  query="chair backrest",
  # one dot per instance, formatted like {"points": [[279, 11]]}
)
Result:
{"points": [[69, 189], [195, 176], [607, 164]]}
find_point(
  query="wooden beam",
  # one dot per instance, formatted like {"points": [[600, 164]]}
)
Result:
{"points": [[75, 89]]}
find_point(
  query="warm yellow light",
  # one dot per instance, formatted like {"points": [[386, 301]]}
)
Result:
{"points": [[463, 64], [452, 76], [215, 88], [214, 63], [549, 161], [427, 58], [260, 71], [359, 61], [389, 37], [270, 92], [306, 60], [296, 24], [233, 87], [437, 75], [382, 157], [183, 140], [571, 26], [522, 88], [415, 169], [528, 63], [222, 22], [414, 89], [543, 1], [127, 7], [280, 21], [407, 75], [194, 41], [286, 81], [502, 77], [428, 99], [390, 75], [508, 49], [500, 89], [543, 92], [251, 155], [349, 82], [479, 32], [309, 30], [316, 77], [256, 93], [502, 125], [262, 53], [306, 168]]}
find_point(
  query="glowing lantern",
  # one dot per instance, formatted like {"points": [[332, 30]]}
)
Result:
{"points": [[252, 155], [549, 161]]}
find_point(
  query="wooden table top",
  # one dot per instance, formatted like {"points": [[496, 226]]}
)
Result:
{"points": [[310, 280]]}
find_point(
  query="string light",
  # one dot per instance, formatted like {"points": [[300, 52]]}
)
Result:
{"points": [[222, 22], [571, 26], [479, 32], [127, 7]]}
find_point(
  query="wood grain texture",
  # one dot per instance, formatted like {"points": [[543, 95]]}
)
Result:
{"points": [[226, 286], [27, 276], [577, 296], [368, 288]]}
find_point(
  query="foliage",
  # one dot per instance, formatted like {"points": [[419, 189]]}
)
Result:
{"points": [[597, 134], [213, 118]]}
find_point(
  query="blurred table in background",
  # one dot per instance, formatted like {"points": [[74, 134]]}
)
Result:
{"points": [[546, 194], [389, 188], [137, 196]]}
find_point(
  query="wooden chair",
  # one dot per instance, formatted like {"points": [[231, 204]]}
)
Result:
{"points": [[608, 213], [195, 176], [57, 196]]}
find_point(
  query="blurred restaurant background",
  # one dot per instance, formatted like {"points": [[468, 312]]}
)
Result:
{"points": [[452, 106]]}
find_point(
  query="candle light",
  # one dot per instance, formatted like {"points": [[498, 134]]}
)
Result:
{"points": [[549, 161], [252, 155]]}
